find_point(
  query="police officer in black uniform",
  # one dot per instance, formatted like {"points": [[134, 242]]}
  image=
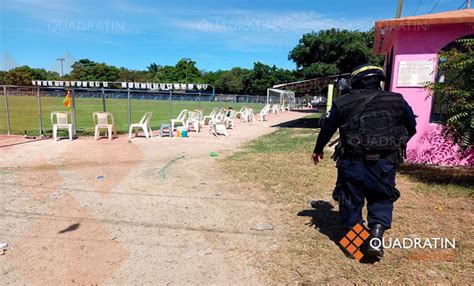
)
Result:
{"points": [[374, 127]]}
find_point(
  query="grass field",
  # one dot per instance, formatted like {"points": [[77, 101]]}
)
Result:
{"points": [[279, 165], [23, 112]]}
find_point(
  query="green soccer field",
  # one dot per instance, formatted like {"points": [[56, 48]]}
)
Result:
{"points": [[24, 114]]}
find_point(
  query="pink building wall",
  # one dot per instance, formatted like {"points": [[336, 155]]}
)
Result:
{"points": [[424, 43]]}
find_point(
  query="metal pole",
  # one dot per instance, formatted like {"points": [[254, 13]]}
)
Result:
{"points": [[129, 109], [61, 60], [73, 95], [268, 95], [399, 9], [468, 5], [40, 123], [7, 111], [170, 105], [103, 101]]}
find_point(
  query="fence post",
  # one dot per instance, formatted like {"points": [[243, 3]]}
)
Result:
{"points": [[103, 101], [74, 127], [170, 107], [7, 110], [129, 109], [40, 123], [199, 98]]}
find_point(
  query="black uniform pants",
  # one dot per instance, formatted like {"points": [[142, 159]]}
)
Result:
{"points": [[373, 181]]}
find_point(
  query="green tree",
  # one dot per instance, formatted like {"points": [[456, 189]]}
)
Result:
{"points": [[333, 51], [214, 78], [3, 74], [86, 69], [456, 92], [133, 75], [235, 81], [24, 75], [265, 76], [187, 72]]}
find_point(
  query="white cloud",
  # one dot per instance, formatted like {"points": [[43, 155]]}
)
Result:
{"points": [[257, 21], [259, 31]]}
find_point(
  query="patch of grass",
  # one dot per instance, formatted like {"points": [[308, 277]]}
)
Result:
{"points": [[24, 112], [285, 140], [279, 164], [447, 190]]}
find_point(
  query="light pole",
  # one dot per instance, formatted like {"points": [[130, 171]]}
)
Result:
{"points": [[61, 60], [399, 9], [187, 60]]}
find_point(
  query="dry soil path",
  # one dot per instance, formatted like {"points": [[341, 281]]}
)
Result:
{"points": [[97, 212]]}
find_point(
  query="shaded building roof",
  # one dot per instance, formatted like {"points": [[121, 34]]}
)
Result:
{"points": [[311, 84], [385, 29]]}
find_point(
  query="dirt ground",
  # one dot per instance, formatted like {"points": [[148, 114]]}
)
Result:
{"points": [[301, 204], [97, 212]]}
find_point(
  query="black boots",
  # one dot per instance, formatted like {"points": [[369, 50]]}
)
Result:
{"points": [[375, 244]]}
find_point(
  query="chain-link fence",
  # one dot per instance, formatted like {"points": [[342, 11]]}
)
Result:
{"points": [[28, 109]]}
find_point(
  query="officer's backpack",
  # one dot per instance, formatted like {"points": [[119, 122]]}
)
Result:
{"points": [[373, 131]]}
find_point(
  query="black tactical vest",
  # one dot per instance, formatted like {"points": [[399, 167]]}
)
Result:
{"points": [[377, 128]]}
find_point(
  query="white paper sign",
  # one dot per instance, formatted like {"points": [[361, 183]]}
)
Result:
{"points": [[414, 73]]}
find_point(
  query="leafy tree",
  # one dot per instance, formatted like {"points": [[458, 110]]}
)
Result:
{"points": [[24, 75], [214, 79], [187, 72], [235, 81], [265, 76], [456, 92], [154, 69], [3, 74], [333, 51], [320, 70], [86, 69], [133, 75]]}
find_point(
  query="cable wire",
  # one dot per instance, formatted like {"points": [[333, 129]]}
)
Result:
{"points": [[463, 5], [417, 7], [434, 7]]}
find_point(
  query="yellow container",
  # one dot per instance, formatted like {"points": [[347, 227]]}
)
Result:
{"points": [[178, 134]]}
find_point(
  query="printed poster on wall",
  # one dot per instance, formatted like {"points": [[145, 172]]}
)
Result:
{"points": [[414, 73]]}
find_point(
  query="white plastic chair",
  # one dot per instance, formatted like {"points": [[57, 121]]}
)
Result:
{"points": [[239, 114], [275, 109], [180, 119], [218, 124], [264, 113], [61, 122], [229, 119], [193, 119], [208, 118], [247, 115], [144, 124], [101, 121]]}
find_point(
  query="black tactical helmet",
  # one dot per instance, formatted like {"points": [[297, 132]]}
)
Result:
{"points": [[366, 71]]}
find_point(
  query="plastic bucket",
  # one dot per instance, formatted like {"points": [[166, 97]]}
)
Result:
{"points": [[182, 131]]}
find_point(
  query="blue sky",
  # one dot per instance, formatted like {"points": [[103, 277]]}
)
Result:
{"points": [[215, 34]]}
